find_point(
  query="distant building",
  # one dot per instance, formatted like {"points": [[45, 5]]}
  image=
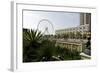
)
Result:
{"points": [[85, 25]]}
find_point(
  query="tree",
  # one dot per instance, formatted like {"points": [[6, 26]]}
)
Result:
{"points": [[84, 35], [87, 50], [31, 42], [78, 35], [65, 36], [88, 44]]}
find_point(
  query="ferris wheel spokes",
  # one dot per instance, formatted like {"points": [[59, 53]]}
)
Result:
{"points": [[46, 27]]}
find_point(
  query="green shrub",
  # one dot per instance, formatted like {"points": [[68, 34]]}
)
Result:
{"points": [[36, 49]]}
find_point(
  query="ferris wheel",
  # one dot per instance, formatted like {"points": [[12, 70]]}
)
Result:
{"points": [[46, 27]]}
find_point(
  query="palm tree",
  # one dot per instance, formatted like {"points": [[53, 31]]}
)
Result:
{"points": [[31, 42]]}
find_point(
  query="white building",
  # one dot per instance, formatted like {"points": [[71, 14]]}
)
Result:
{"points": [[85, 25]]}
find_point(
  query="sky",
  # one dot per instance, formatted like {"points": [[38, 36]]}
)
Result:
{"points": [[51, 21]]}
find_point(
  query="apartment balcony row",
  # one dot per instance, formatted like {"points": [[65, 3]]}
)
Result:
{"points": [[81, 28]]}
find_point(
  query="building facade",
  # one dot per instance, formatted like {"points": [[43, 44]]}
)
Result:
{"points": [[85, 25]]}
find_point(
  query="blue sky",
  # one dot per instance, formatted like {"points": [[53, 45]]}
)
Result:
{"points": [[60, 20]]}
